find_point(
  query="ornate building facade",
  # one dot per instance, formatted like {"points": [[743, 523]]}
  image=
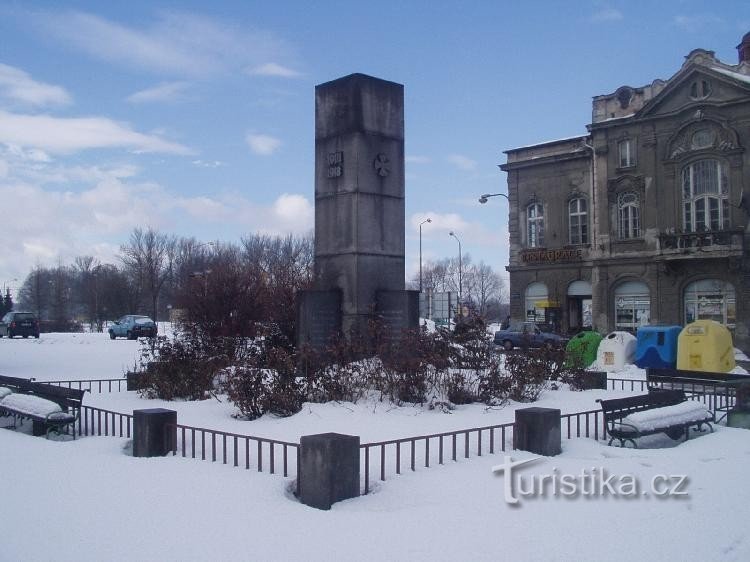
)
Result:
{"points": [[642, 220]]}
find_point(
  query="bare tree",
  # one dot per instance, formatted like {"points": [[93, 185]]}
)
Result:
{"points": [[487, 286], [148, 259]]}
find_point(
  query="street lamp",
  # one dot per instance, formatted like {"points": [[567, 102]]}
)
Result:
{"points": [[460, 267], [483, 198], [420, 251]]}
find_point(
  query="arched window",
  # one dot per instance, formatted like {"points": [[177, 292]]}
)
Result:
{"points": [[711, 299], [628, 215], [578, 221], [705, 196], [535, 225], [536, 302]]}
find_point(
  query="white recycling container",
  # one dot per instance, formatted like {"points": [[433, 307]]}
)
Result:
{"points": [[616, 350]]}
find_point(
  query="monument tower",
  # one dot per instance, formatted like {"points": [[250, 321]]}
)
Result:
{"points": [[359, 211]]}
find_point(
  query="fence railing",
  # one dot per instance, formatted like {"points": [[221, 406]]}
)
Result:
{"points": [[627, 384], [233, 448], [93, 385], [99, 422], [386, 459]]}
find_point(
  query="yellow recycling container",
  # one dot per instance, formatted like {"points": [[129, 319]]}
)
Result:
{"points": [[705, 345]]}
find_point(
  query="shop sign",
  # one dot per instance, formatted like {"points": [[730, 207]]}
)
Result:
{"points": [[551, 256]]}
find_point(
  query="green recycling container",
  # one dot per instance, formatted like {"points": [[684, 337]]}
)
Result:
{"points": [[581, 349]]}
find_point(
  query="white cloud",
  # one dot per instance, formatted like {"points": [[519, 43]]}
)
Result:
{"points": [[273, 69], [294, 211], [65, 135], [177, 42], [474, 233], [166, 91], [263, 144], [696, 22], [208, 163], [3, 168], [462, 162], [17, 85], [418, 159], [607, 14], [48, 223]]}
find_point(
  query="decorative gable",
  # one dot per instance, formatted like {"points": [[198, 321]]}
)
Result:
{"points": [[697, 86]]}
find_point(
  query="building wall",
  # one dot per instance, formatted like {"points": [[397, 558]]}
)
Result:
{"points": [[702, 112]]}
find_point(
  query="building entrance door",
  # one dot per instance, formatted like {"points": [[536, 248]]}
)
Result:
{"points": [[579, 306]]}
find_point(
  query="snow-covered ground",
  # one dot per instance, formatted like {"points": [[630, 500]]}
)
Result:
{"points": [[89, 500]]}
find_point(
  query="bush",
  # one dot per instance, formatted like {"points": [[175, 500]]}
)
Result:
{"points": [[186, 365], [528, 374], [266, 383]]}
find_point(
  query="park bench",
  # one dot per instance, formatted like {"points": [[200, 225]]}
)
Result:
{"points": [[51, 409], [659, 411]]}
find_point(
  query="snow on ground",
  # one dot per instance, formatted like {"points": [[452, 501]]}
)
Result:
{"points": [[89, 500]]}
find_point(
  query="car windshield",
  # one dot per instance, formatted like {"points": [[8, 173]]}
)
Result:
{"points": [[23, 316], [143, 320]]}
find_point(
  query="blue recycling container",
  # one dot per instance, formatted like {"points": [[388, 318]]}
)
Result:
{"points": [[656, 347]]}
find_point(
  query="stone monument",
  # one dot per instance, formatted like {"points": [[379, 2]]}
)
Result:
{"points": [[359, 212]]}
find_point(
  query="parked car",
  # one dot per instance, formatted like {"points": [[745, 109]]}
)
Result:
{"points": [[527, 334], [133, 326], [19, 324]]}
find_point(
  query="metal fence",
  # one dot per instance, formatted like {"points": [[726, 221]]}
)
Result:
{"points": [[386, 459], [99, 422], [232, 448], [717, 396], [93, 385]]}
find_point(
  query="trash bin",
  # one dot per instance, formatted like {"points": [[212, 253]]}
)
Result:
{"points": [[616, 350], [705, 345], [581, 349], [656, 347]]}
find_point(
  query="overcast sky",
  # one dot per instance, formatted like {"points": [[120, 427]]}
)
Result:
{"points": [[196, 118]]}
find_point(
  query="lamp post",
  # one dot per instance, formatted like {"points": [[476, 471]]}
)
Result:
{"points": [[420, 251], [460, 268], [483, 198]]}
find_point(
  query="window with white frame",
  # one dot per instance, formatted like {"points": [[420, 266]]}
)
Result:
{"points": [[628, 215], [578, 221], [626, 150], [705, 196], [535, 225]]}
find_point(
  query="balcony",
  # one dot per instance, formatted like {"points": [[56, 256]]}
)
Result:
{"points": [[727, 241]]}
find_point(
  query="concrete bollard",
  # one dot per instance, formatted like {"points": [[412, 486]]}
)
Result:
{"points": [[154, 432], [328, 469], [595, 380], [537, 430]]}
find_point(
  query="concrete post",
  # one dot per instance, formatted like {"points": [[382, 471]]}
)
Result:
{"points": [[154, 432], [537, 430], [328, 469], [595, 380]]}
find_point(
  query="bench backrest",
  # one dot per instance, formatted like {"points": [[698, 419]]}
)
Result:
{"points": [[618, 408], [14, 382], [67, 398]]}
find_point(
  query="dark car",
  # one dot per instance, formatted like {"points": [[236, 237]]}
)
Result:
{"points": [[133, 326], [527, 334], [19, 324]]}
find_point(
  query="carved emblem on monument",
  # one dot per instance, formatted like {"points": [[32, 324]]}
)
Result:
{"points": [[382, 165]]}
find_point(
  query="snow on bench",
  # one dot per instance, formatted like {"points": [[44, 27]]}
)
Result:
{"points": [[4, 391], [680, 414], [28, 405]]}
